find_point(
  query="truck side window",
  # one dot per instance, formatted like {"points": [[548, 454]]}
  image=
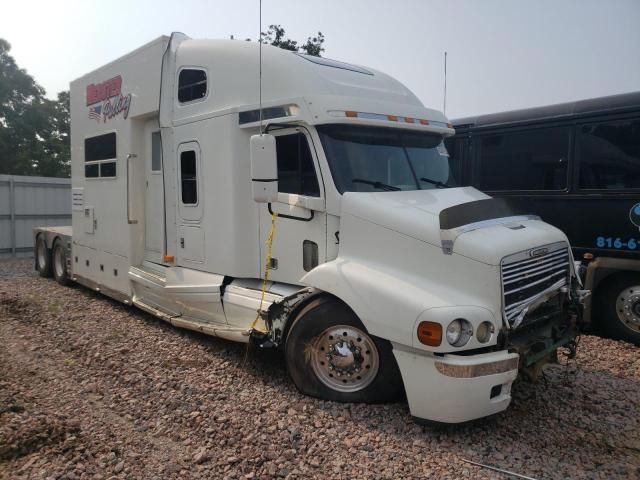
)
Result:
{"points": [[156, 152], [188, 177], [192, 85], [296, 173], [527, 160], [609, 155], [100, 156]]}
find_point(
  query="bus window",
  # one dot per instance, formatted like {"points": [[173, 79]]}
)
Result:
{"points": [[609, 155], [526, 160]]}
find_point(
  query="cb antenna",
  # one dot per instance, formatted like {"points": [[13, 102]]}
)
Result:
{"points": [[260, 69], [444, 106]]}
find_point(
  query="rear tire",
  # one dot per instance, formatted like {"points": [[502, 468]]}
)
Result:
{"points": [[330, 355], [59, 263], [43, 257], [618, 307]]}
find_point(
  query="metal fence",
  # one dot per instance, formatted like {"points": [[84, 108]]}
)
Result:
{"points": [[27, 202]]}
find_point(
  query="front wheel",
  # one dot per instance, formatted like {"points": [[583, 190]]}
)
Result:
{"points": [[330, 355], [618, 308]]}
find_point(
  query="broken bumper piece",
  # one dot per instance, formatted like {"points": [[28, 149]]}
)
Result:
{"points": [[455, 388]]}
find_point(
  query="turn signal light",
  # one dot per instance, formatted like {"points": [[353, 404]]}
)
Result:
{"points": [[588, 256], [350, 114], [430, 333], [168, 258]]}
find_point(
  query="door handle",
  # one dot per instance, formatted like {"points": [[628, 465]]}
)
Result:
{"points": [[181, 242]]}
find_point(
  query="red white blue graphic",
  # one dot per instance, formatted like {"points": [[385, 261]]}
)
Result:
{"points": [[94, 112], [108, 96]]}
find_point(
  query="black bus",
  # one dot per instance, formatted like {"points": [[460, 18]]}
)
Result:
{"points": [[577, 166]]}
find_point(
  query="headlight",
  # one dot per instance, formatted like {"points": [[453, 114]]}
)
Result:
{"points": [[459, 332], [484, 332]]}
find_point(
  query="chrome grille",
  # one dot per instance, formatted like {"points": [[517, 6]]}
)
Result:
{"points": [[528, 281]]}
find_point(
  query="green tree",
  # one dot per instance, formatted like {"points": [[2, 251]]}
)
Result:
{"points": [[314, 45], [275, 36], [34, 131]]}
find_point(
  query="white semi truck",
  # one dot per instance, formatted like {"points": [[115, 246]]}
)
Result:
{"points": [[192, 183]]}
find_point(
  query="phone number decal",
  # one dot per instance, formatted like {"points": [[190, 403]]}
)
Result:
{"points": [[617, 242]]}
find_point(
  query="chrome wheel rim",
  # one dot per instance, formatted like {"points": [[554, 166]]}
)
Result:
{"points": [[58, 262], [41, 255], [628, 307], [344, 358]]}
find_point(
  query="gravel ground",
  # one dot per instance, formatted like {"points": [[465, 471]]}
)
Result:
{"points": [[90, 388]]}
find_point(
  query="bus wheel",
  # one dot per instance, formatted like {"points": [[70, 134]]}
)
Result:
{"points": [[43, 257], [59, 257], [330, 355], [618, 308]]}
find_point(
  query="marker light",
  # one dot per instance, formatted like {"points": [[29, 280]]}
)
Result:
{"points": [[430, 333], [384, 117]]}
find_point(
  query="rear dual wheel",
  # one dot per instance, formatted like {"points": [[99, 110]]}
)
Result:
{"points": [[59, 267], [43, 257], [330, 355]]}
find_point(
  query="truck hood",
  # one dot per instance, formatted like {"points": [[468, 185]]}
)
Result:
{"points": [[448, 218]]}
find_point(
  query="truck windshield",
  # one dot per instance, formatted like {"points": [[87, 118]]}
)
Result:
{"points": [[366, 159]]}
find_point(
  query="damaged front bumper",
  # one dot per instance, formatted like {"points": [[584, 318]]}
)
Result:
{"points": [[456, 388]]}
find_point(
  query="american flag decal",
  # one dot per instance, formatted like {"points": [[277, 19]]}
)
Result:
{"points": [[94, 112]]}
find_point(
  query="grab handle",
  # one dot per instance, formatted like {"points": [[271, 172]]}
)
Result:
{"points": [[129, 220]]}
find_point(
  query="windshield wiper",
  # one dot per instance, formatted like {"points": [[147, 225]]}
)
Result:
{"points": [[434, 182], [380, 185]]}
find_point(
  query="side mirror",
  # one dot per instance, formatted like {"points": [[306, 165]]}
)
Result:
{"points": [[264, 168]]}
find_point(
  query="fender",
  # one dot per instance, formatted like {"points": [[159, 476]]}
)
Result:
{"points": [[387, 305]]}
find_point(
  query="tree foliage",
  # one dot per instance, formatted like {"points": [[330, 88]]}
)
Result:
{"points": [[34, 131], [275, 36]]}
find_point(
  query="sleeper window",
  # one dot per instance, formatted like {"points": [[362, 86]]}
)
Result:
{"points": [[192, 85], [156, 152], [296, 173], [100, 156], [188, 177]]}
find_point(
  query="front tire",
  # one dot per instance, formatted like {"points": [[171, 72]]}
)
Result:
{"points": [[618, 308], [59, 261], [43, 257], [330, 355]]}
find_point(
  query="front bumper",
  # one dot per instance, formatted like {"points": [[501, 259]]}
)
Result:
{"points": [[455, 388]]}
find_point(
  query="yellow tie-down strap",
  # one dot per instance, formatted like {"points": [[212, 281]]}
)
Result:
{"points": [[267, 268]]}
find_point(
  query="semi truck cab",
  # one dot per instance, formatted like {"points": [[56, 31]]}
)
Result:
{"points": [[316, 212]]}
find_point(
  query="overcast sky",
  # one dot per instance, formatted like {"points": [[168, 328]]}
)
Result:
{"points": [[502, 54]]}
